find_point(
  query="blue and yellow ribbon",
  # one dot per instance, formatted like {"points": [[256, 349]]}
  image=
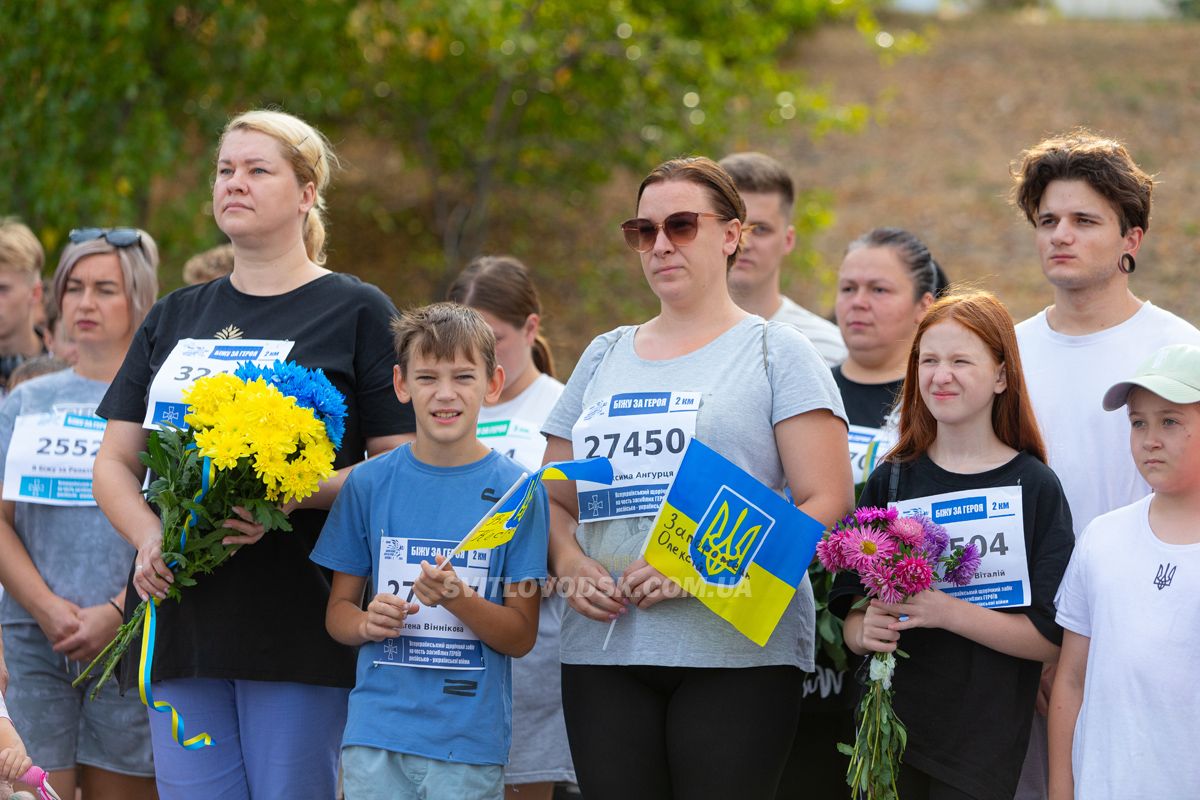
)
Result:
{"points": [[206, 475], [177, 730], [149, 626]]}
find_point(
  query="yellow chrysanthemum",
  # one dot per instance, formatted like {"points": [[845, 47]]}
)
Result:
{"points": [[288, 446], [209, 397]]}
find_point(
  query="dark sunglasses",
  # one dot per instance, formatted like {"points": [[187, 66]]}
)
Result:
{"points": [[680, 228], [117, 237]]}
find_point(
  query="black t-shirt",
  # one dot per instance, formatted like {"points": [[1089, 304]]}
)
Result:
{"points": [[968, 708], [867, 404], [261, 615]]}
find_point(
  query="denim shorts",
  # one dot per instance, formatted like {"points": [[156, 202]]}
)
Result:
{"points": [[61, 727], [369, 773]]}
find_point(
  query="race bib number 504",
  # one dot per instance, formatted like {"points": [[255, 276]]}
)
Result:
{"points": [[644, 434], [992, 519], [193, 359]]}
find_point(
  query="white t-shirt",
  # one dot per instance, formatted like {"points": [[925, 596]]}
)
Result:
{"points": [[1138, 599], [824, 335], [1067, 377], [514, 428]]}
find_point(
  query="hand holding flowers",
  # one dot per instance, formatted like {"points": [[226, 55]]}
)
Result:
{"points": [[897, 560], [258, 438]]}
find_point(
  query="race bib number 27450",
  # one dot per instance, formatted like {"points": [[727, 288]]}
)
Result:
{"points": [[644, 435]]}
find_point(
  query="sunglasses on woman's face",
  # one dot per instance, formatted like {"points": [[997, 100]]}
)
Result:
{"points": [[117, 237], [680, 228]]}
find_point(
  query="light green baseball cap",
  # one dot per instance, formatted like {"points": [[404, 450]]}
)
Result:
{"points": [[1172, 373]]}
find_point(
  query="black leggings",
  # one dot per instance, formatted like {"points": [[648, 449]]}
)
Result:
{"points": [[684, 732]]}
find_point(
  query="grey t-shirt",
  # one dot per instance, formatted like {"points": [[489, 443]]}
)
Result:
{"points": [[76, 551], [744, 393]]}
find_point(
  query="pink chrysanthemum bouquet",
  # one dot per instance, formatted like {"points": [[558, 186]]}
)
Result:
{"points": [[894, 558]]}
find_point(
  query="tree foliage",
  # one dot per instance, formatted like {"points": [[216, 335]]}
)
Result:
{"points": [[557, 94], [111, 111]]}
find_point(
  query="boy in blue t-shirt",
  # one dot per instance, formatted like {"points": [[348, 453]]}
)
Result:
{"points": [[430, 713]]}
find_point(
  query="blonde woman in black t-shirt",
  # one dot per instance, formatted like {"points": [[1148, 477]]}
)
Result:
{"points": [[245, 655]]}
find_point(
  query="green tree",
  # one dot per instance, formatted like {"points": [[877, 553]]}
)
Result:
{"points": [[555, 95], [110, 112]]}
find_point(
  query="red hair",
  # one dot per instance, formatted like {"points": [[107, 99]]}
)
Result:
{"points": [[1012, 414]]}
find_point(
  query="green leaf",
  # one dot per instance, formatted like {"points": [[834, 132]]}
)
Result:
{"points": [[184, 580]]}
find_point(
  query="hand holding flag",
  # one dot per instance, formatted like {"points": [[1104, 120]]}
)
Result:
{"points": [[731, 542], [499, 524]]}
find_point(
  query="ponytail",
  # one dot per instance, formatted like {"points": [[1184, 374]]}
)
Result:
{"points": [[314, 236], [542, 358], [501, 286]]}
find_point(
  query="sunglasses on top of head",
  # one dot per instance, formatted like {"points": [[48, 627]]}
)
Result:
{"points": [[117, 237], [680, 228]]}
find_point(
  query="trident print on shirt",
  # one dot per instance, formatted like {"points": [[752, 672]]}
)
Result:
{"points": [[1166, 574]]}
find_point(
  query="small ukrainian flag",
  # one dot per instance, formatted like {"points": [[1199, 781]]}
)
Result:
{"points": [[499, 525]]}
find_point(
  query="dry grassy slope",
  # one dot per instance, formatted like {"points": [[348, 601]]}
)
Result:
{"points": [[934, 160], [949, 122]]}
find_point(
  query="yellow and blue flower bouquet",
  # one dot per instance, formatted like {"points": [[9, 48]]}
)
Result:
{"points": [[257, 438]]}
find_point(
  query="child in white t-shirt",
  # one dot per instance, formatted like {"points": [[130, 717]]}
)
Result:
{"points": [[1123, 711]]}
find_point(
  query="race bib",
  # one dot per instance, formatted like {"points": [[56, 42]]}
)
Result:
{"points": [[518, 439], [193, 359], [867, 447], [433, 638], [50, 457], [994, 520], [644, 434]]}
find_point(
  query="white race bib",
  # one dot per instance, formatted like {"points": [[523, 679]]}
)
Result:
{"points": [[644, 434], [50, 458], [867, 447], [193, 359], [433, 638], [994, 520], [518, 439]]}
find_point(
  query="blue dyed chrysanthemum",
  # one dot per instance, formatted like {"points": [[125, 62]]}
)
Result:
{"points": [[311, 389]]}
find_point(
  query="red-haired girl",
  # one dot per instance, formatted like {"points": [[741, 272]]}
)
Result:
{"points": [[969, 456]]}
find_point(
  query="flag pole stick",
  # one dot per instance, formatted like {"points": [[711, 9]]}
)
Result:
{"points": [[446, 562]]}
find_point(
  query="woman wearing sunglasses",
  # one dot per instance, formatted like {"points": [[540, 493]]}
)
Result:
{"points": [[246, 656], [62, 564], [679, 703]]}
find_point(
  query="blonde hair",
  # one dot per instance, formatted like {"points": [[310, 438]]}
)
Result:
{"points": [[20, 250], [312, 159], [139, 268]]}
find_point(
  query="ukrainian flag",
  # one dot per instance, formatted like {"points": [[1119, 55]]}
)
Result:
{"points": [[730, 541], [499, 525]]}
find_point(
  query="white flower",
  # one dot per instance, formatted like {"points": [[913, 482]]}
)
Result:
{"points": [[882, 667]]}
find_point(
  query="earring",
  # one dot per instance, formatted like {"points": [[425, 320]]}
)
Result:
{"points": [[1126, 263]]}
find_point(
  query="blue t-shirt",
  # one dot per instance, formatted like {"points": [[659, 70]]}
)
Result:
{"points": [[462, 715]]}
